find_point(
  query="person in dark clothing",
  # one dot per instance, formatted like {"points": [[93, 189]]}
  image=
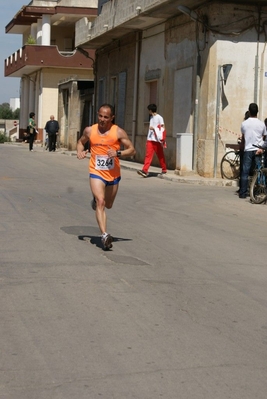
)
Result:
{"points": [[52, 128], [31, 131], [241, 143]]}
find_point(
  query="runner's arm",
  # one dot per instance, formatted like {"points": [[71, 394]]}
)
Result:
{"points": [[128, 148], [81, 154]]}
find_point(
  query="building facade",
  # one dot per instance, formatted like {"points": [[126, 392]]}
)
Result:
{"points": [[202, 62], [47, 57], [14, 103]]}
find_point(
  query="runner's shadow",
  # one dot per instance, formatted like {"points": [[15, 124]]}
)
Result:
{"points": [[95, 240]]}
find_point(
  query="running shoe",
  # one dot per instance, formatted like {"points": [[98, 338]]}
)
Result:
{"points": [[142, 173], [107, 241]]}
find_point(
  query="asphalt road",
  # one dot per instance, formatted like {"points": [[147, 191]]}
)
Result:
{"points": [[176, 310]]}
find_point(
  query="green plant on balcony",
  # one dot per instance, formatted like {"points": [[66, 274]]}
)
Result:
{"points": [[31, 40]]}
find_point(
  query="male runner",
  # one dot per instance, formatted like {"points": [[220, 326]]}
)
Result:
{"points": [[105, 140]]}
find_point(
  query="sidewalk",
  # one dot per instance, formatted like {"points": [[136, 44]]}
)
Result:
{"points": [[171, 175]]}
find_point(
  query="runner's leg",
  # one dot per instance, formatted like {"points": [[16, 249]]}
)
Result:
{"points": [[110, 195], [98, 190]]}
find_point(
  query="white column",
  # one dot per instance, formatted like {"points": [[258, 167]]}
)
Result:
{"points": [[39, 31], [34, 30], [46, 30], [24, 102], [40, 107], [31, 95]]}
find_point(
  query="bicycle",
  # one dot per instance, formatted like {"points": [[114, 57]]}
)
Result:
{"points": [[258, 188], [230, 165]]}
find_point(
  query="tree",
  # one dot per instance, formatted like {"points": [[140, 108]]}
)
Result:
{"points": [[7, 113], [16, 113]]}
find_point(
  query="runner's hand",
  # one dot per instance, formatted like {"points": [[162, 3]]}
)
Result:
{"points": [[111, 153], [82, 154]]}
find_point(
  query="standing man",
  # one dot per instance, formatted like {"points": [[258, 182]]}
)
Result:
{"points": [[105, 140], [253, 131], [155, 141], [52, 128]]}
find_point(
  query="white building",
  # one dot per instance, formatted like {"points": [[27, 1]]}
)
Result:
{"points": [[14, 103]]}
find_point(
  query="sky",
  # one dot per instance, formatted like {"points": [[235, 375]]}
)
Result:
{"points": [[9, 44]]}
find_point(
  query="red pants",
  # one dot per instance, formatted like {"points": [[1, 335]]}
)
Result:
{"points": [[151, 147]]}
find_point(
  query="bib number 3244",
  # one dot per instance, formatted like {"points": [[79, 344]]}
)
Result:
{"points": [[104, 163]]}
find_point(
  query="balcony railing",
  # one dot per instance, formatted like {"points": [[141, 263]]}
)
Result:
{"points": [[33, 57]]}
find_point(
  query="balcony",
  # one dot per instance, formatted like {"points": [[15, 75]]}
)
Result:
{"points": [[31, 58], [125, 16], [120, 17]]}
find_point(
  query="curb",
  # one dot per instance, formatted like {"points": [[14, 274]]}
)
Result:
{"points": [[156, 172]]}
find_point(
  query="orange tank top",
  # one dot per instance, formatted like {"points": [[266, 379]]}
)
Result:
{"points": [[100, 164]]}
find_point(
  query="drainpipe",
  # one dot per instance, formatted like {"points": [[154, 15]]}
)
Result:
{"points": [[256, 77], [95, 88], [262, 74], [195, 127], [217, 120], [135, 93], [261, 93]]}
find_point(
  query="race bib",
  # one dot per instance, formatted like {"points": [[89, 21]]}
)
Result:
{"points": [[103, 162]]}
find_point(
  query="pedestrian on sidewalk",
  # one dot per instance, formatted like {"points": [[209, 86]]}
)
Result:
{"points": [[241, 143], [155, 141], [105, 141], [253, 132], [31, 130], [52, 128]]}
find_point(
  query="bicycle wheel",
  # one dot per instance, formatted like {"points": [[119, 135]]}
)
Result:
{"points": [[230, 165], [258, 189]]}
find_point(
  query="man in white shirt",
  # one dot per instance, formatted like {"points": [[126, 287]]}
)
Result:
{"points": [[253, 131], [155, 141]]}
